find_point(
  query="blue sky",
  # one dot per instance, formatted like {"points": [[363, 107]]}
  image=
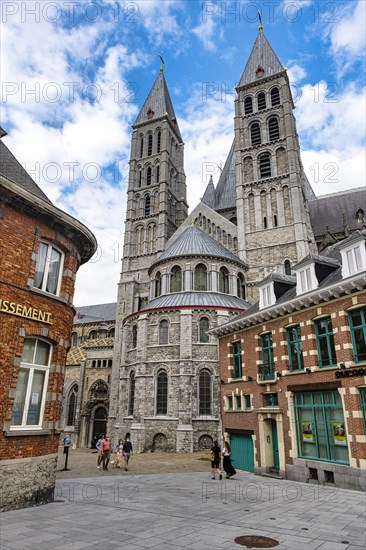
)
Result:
{"points": [[74, 75]]}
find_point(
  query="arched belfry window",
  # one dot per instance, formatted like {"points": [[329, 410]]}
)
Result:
{"points": [[150, 145], [273, 128], [131, 394], [203, 328], [265, 165], [275, 97], [205, 397], [162, 393], [147, 208], [240, 286], [176, 279], [148, 175], [261, 99], [141, 147], [224, 280], [200, 276], [71, 408], [158, 146], [134, 336], [255, 134], [163, 332], [248, 105], [157, 173], [157, 284]]}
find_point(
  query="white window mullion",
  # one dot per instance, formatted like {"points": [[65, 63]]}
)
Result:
{"points": [[27, 397]]}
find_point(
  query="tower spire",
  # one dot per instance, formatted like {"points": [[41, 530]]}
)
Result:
{"points": [[260, 28], [162, 62]]}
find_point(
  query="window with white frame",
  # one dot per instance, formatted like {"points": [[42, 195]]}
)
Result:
{"points": [[353, 259], [306, 279], [31, 387], [266, 296], [48, 271]]}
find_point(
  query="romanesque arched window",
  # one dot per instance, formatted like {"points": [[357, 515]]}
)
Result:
{"points": [[139, 240], [261, 99], [281, 161], [162, 393], [149, 145], [71, 405], [203, 328], [131, 394], [248, 105], [74, 339], [251, 208], [148, 175], [274, 208], [147, 207], [263, 197], [163, 332], [265, 165], [111, 333], [287, 267], [141, 147], [134, 336], [92, 335], [255, 134], [157, 284], [176, 279], [200, 277], [248, 169], [139, 178], [224, 280], [273, 128], [275, 97], [158, 146], [240, 286], [205, 397], [157, 173], [150, 239]]}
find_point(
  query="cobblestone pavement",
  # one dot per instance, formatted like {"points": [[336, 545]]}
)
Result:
{"points": [[184, 510], [83, 463]]}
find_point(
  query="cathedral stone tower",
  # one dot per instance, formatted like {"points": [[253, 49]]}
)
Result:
{"points": [[274, 228]]}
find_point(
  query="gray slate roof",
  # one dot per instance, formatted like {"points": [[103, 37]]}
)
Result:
{"points": [[319, 259], [262, 54], [328, 212], [11, 169], [95, 313], [160, 102], [195, 242], [202, 299], [224, 196], [209, 195]]}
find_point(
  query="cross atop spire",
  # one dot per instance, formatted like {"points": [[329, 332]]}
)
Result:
{"points": [[262, 61]]}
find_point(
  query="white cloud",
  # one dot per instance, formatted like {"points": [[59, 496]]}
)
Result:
{"points": [[206, 32], [348, 34]]}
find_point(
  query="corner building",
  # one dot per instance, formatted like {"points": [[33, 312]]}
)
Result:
{"points": [[186, 274], [41, 251]]}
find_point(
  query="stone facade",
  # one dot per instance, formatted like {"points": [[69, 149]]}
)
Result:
{"points": [[36, 318]]}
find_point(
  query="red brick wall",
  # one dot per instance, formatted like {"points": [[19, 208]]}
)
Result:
{"points": [[20, 237], [248, 336]]}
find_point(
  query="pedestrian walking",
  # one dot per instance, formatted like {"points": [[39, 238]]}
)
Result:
{"points": [[118, 456], [98, 446], [127, 450], [215, 456], [228, 467], [106, 452]]}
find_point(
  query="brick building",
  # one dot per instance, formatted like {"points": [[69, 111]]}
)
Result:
{"points": [[293, 371], [42, 248]]}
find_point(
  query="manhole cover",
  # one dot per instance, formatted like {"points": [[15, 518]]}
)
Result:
{"points": [[256, 541]]}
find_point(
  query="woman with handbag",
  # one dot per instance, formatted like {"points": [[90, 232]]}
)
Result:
{"points": [[215, 460]]}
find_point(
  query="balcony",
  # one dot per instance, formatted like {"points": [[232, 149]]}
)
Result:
{"points": [[266, 373]]}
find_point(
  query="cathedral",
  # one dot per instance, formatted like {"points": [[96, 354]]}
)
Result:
{"points": [[184, 275]]}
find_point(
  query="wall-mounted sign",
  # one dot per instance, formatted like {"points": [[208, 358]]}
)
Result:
{"points": [[21, 310], [355, 371]]}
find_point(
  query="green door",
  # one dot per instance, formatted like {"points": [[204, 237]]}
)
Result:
{"points": [[242, 452], [276, 459]]}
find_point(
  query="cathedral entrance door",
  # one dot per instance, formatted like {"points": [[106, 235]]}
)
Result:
{"points": [[100, 422]]}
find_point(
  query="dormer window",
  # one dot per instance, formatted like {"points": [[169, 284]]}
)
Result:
{"points": [[150, 114], [306, 279], [259, 72], [267, 296], [353, 259]]}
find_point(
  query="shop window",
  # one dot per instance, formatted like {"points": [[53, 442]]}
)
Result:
{"points": [[205, 393], [31, 387], [48, 271], [237, 363], [325, 342], [357, 319], [320, 426], [295, 348], [363, 405], [162, 393], [71, 407], [131, 394], [203, 328]]}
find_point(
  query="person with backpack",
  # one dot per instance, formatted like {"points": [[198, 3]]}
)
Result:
{"points": [[127, 450], [215, 460]]}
